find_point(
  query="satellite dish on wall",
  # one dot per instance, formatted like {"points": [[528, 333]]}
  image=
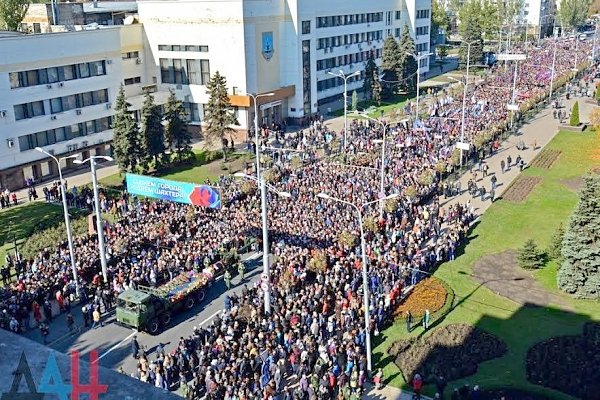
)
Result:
{"points": [[129, 20]]}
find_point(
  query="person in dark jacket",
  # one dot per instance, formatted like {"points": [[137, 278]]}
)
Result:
{"points": [[135, 347]]}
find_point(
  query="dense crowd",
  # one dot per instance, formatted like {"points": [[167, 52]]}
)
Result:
{"points": [[312, 345]]}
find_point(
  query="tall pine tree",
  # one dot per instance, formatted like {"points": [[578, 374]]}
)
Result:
{"points": [[377, 89], [471, 31], [579, 273], [219, 113], [126, 141], [371, 70], [151, 132], [390, 64], [178, 137], [408, 64]]}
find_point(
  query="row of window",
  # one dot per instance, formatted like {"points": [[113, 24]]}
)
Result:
{"points": [[192, 111], [60, 104], [340, 20], [346, 59], [422, 47], [132, 81], [129, 55], [178, 47], [422, 14], [331, 83], [344, 40], [52, 136], [186, 72], [422, 30], [56, 74]]}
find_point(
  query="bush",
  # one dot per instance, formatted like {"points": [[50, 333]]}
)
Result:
{"points": [[575, 115], [427, 177], [429, 294], [530, 257], [347, 239], [318, 262], [371, 224], [554, 249], [48, 238]]}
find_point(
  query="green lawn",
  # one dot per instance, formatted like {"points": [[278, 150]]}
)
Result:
{"points": [[197, 171], [504, 226], [18, 222]]}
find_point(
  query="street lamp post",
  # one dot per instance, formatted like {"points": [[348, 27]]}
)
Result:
{"points": [[418, 59], [553, 68], [263, 203], [99, 225], [345, 77], [66, 212], [365, 281]]}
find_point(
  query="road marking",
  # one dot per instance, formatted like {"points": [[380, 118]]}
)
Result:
{"points": [[116, 345], [209, 318]]}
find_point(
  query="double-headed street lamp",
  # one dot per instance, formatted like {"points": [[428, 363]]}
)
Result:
{"points": [[345, 77], [365, 282], [99, 225], [265, 231], [418, 59], [66, 212]]}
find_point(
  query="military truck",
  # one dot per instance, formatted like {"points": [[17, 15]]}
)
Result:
{"points": [[150, 309]]}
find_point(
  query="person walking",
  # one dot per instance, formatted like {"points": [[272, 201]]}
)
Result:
{"points": [[227, 279], [482, 192], [96, 317], [70, 321], [494, 180], [45, 330], [241, 270], [502, 166], [135, 347], [86, 315], [408, 321], [426, 320], [508, 162]]}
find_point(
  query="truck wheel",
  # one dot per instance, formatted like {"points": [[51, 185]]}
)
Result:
{"points": [[201, 296], [154, 326], [189, 303], [166, 319]]}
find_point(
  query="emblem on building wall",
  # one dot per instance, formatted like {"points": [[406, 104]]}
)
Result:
{"points": [[267, 45]]}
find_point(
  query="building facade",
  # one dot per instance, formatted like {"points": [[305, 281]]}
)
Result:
{"points": [[284, 47], [57, 92]]}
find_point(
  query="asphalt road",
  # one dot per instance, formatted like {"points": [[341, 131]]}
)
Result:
{"points": [[113, 342]]}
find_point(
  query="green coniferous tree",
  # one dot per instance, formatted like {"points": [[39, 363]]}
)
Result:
{"points": [[371, 70], [579, 273], [530, 257], [390, 65], [151, 133], [377, 89], [554, 249], [354, 100], [408, 64], [574, 120], [177, 135], [219, 112], [126, 141]]}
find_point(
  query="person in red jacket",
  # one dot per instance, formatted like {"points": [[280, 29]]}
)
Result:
{"points": [[417, 385]]}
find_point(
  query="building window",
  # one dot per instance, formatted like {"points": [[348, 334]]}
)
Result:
{"points": [[177, 47], [131, 54], [398, 14], [178, 71], [56, 74], [205, 68], [37, 28], [305, 27], [422, 14], [132, 81], [192, 112], [306, 82], [422, 30], [29, 110], [79, 100]]}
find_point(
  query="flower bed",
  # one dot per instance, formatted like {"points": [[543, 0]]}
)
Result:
{"points": [[454, 351], [429, 294], [570, 364], [184, 284]]}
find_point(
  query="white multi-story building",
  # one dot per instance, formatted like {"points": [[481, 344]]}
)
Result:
{"points": [[284, 47], [541, 14], [56, 89], [56, 92]]}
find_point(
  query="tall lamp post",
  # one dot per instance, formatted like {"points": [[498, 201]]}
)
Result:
{"points": [[263, 203], [266, 268], [553, 69], [66, 212], [418, 59], [345, 77], [99, 227], [365, 282]]}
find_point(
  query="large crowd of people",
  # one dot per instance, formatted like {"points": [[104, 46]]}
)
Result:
{"points": [[312, 345]]}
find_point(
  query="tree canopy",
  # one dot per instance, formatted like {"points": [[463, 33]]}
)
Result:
{"points": [[177, 135], [472, 32], [573, 13], [12, 13], [126, 140], [408, 64]]}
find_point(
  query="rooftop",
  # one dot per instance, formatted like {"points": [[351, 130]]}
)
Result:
{"points": [[109, 6]]}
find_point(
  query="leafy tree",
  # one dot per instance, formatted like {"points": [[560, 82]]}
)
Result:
{"points": [[371, 71], [354, 100], [490, 18], [442, 51], [126, 140], [471, 31], [391, 63], [530, 257], [573, 13], [12, 13], [595, 118], [177, 135], [408, 64], [151, 132], [219, 113], [574, 121], [556, 243], [376, 88], [579, 273], [439, 20]]}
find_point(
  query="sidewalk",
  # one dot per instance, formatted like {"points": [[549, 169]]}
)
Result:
{"points": [[541, 130]]}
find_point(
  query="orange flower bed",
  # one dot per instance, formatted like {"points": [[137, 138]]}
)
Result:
{"points": [[429, 294]]}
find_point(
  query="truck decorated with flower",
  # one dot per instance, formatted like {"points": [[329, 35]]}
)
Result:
{"points": [[150, 309]]}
